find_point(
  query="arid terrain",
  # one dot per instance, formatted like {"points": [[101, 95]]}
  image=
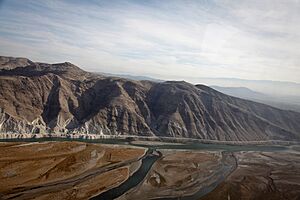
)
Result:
{"points": [[63, 170], [149, 100], [41, 99], [78, 170], [261, 175], [183, 173]]}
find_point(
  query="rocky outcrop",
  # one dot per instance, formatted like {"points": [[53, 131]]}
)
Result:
{"points": [[44, 98]]}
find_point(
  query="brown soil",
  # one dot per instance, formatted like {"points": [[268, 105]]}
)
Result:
{"points": [[176, 173], [272, 176], [62, 168]]}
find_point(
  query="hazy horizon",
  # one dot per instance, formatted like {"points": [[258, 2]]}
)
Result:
{"points": [[180, 40]]}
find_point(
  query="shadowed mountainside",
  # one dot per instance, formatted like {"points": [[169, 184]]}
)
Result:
{"points": [[45, 98]]}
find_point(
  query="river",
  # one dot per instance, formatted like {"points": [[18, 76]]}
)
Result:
{"points": [[153, 154]]}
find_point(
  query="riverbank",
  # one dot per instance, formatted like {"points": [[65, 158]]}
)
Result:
{"points": [[186, 175], [60, 170], [68, 169], [11, 136], [260, 176]]}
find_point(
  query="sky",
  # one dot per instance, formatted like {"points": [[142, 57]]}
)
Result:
{"points": [[254, 39]]}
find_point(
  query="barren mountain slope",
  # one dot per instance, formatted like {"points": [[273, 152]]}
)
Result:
{"points": [[45, 98]]}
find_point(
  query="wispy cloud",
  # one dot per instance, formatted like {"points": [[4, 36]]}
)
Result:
{"points": [[167, 39]]}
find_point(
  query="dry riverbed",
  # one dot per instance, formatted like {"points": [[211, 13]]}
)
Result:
{"points": [[78, 170], [261, 175], [63, 170], [182, 173]]}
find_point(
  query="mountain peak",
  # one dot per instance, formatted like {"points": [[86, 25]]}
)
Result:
{"points": [[25, 67], [9, 63]]}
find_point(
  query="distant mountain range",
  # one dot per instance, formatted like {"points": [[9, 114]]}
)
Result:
{"points": [[46, 98], [283, 102], [274, 88], [131, 77]]}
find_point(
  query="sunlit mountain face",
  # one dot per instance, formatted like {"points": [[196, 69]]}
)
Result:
{"points": [[149, 99]]}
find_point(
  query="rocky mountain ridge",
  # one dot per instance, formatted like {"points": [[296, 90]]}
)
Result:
{"points": [[47, 98]]}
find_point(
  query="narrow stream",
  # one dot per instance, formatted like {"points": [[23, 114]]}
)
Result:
{"points": [[133, 180]]}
